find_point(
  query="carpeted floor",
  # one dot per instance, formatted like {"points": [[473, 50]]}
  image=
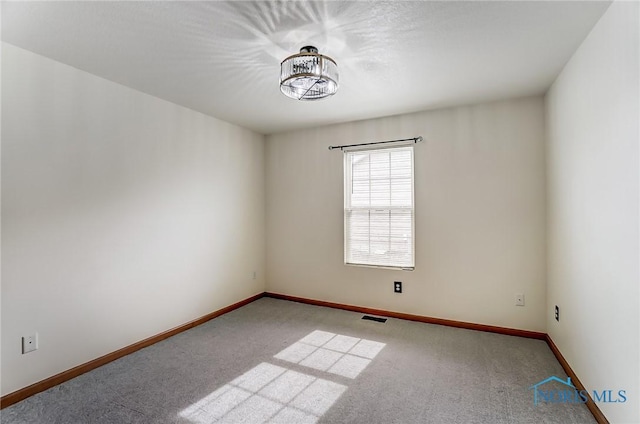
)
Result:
{"points": [[285, 362]]}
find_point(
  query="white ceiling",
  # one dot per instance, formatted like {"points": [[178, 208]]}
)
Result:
{"points": [[223, 58]]}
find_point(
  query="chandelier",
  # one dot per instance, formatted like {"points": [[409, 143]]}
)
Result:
{"points": [[308, 75]]}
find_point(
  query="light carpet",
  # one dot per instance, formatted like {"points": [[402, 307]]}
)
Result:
{"points": [[275, 361]]}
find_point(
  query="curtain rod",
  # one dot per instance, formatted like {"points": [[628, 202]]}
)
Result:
{"points": [[415, 140]]}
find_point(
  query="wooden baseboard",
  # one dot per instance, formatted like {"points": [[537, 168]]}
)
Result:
{"points": [[419, 318], [593, 408], [45, 384]]}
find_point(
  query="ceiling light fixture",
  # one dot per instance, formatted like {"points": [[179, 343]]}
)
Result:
{"points": [[308, 75]]}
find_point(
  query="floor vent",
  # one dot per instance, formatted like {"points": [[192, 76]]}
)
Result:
{"points": [[376, 319]]}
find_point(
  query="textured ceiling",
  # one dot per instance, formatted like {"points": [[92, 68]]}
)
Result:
{"points": [[223, 58]]}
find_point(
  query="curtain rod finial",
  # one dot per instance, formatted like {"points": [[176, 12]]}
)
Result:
{"points": [[419, 139]]}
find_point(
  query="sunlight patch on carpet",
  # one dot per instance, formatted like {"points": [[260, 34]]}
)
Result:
{"points": [[267, 393], [334, 353], [271, 394]]}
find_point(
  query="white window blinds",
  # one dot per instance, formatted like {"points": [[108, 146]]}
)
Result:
{"points": [[378, 207]]}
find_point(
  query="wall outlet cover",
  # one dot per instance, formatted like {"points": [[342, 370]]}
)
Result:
{"points": [[29, 343]]}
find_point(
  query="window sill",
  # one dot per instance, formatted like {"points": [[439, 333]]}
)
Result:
{"points": [[393, 268]]}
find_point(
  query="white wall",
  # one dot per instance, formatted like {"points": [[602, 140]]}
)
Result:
{"points": [[122, 215], [592, 118], [480, 215]]}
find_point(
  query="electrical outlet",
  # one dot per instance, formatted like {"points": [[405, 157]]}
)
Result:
{"points": [[557, 313], [397, 286], [29, 343], [520, 299]]}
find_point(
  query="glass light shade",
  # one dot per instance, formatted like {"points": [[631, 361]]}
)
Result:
{"points": [[308, 75]]}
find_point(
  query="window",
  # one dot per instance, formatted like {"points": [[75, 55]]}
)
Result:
{"points": [[378, 207]]}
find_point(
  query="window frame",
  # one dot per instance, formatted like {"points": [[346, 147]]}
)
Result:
{"points": [[348, 181]]}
